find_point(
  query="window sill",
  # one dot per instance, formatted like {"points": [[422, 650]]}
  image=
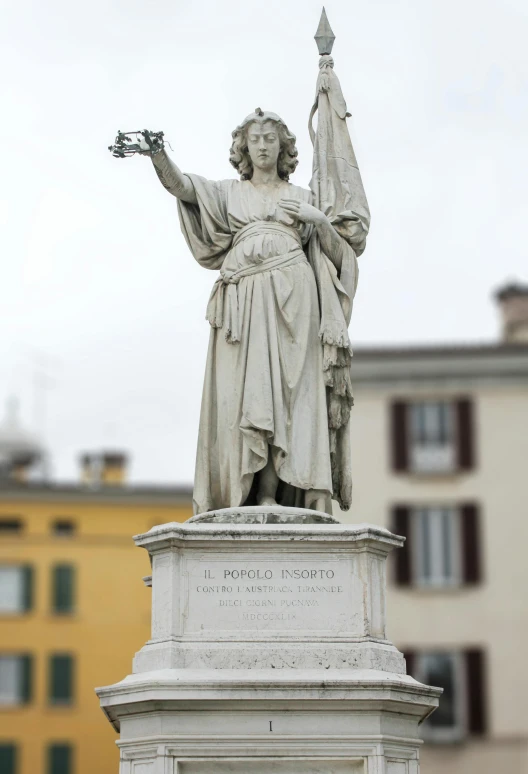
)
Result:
{"points": [[445, 473], [454, 740], [64, 615], [436, 590], [438, 587]]}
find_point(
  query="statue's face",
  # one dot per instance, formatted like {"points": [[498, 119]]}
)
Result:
{"points": [[263, 144]]}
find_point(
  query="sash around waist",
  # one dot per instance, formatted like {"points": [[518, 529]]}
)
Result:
{"points": [[265, 227], [222, 309]]}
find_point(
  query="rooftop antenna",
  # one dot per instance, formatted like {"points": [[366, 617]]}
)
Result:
{"points": [[42, 366]]}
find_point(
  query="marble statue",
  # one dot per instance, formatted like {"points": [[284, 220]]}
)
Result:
{"points": [[274, 424]]}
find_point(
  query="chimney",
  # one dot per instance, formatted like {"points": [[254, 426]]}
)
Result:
{"points": [[106, 468], [513, 304], [20, 451]]}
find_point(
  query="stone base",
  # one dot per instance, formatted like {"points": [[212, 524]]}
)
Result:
{"points": [[286, 722], [268, 652], [259, 514]]}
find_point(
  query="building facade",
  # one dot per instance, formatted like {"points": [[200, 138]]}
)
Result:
{"points": [[440, 454], [73, 611]]}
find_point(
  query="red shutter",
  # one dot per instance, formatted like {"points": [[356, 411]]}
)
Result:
{"points": [[476, 691], [401, 525], [465, 434], [471, 543], [410, 661], [399, 443]]}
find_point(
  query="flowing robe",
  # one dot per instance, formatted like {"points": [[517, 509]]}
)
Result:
{"points": [[264, 389]]}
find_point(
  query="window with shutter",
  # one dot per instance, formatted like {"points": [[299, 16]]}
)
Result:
{"points": [[476, 691], [15, 679], [27, 587], [465, 434], [444, 669], [16, 589], [63, 588], [442, 548], [463, 705], [8, 758], [10, 525], [26, 678], [60, 759], [61, 679], [399, 436], [471, 543], [64, 528], [436, 558], [402, 561], [432, 437]]}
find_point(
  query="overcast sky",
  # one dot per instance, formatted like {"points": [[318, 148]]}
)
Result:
{"points": [[98, 289]]}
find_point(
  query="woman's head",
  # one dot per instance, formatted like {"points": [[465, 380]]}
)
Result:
{"points": [[263, 140]]}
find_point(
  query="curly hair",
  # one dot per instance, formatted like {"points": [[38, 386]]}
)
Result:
{"points": [[239, 154]]}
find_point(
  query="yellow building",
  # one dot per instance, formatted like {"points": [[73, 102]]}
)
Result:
{"points": [[73, 609]]}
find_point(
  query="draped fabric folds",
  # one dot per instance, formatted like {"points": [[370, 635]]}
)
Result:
{"points": [[277, 379], [338, 191], [264, 390]]}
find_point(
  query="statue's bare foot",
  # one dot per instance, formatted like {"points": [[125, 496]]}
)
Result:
{"points": [[267, 500], [316, 500]]}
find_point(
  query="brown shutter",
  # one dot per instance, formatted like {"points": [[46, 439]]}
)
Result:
{"points": [[410, 661], [465, 433], [471, 543], [401, 525], [398, 429], [476, 691]]}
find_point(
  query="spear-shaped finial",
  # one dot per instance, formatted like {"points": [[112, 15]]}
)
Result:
{"points": [[324, 37]]}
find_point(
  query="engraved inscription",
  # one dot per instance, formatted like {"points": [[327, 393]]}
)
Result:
{"points": [[300, 594]]}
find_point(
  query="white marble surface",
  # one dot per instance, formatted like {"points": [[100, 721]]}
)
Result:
{"points": [[268, 651], [235, 595], [263, 514]]}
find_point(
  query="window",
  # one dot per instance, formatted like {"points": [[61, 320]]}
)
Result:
{"points": [[63, 527], [63, 588], [432, 440], [432, 436], [60, 759], [10, 525], [436, 543], [444, 670], [8, 758], [16, 589], [61, 679], [461, 710], [442, 547], [15, 679]]}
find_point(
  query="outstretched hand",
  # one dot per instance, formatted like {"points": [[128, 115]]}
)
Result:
{"points": [[142, 142], [302, 211]]}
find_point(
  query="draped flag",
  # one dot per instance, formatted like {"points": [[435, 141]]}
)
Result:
{"points": [[338, 192]]}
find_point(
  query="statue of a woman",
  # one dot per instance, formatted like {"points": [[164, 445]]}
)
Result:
{"points": [[277, 395]]}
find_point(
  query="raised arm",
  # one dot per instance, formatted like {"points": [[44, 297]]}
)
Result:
{"points": [[147, 143], [171, 177]]}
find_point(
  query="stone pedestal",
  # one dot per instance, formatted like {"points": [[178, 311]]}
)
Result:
{"points": [[268, 652]]}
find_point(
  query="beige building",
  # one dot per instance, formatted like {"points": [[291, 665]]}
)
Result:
{"points": [[440, 454]]}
